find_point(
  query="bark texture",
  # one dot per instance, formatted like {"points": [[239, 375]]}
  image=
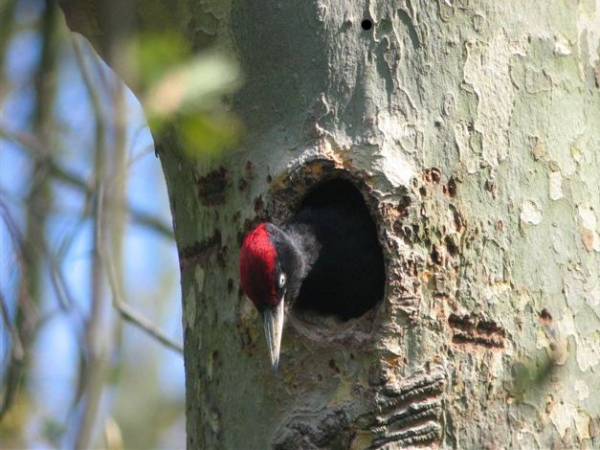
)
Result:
{"points": [[473, 131]]}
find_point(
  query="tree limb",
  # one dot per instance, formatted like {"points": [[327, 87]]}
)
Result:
{"points": [[128, 313]]}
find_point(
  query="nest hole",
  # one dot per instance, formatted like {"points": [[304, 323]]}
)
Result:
{"points": [[348, 277], [366, 24]]}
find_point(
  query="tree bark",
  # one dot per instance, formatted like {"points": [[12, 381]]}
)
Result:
{"points": [[473, 132]]}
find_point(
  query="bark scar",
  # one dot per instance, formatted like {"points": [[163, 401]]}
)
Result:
{"points": [[470, 330], [211, 188], [409, 413], [200, 252]]}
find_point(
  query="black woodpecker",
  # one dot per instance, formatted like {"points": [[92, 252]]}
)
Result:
{"points": [[327, 258]]}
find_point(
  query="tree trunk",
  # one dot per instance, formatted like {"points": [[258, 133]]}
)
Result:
{"points": [[473, 132]]}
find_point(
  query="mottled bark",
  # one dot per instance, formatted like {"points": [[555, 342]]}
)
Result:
{"points": [[473, 131]]}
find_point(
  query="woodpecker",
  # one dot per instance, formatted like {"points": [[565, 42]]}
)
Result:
{"points": [[327, 258]]}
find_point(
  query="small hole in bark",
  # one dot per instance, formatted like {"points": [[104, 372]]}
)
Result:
{"points": [[545, 316], [451, 246], [436, 256], [258, 205], [452, 188], [347, 279], [333, 366], [404, 205], [366, 24]]}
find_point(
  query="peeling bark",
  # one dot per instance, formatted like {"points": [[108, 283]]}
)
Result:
{"points": [[473, 132]]}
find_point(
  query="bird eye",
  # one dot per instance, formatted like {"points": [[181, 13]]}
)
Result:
{"points": [[282, 280]]}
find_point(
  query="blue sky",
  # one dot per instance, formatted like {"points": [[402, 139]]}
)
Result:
{"points": [[150, 266]]}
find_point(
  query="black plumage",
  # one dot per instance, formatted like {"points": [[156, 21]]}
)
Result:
{"points": [[326, 259], [341, 268], [345, 275]]}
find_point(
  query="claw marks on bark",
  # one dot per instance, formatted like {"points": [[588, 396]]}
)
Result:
{"points": [[472, 331], [409, 413], [399, 414]]}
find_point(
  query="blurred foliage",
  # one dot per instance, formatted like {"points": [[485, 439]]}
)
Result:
{"points": [[156, 56], [82, 230], [185, 89]]}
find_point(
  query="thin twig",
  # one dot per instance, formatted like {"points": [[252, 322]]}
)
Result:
{"points": [[13, 230], [60, 285], [56, 275], [128, 313], [32, 145], [17, 348], [17, 357], [25, 256], [93, 376], [143, 152]]}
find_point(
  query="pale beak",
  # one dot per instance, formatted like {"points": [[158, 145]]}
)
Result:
{"points": [[273, 322]]}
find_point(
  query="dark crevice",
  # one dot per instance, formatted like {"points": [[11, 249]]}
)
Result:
{"points": [[348, 278]]}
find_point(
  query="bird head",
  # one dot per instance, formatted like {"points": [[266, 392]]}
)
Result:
{"points": [[265, 258]]}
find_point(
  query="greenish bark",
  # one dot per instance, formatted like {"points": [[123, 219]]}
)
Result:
{"points": [[473, 130]]}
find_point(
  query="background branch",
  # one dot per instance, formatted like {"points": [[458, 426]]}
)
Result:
{"points": [[127, 312]]}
